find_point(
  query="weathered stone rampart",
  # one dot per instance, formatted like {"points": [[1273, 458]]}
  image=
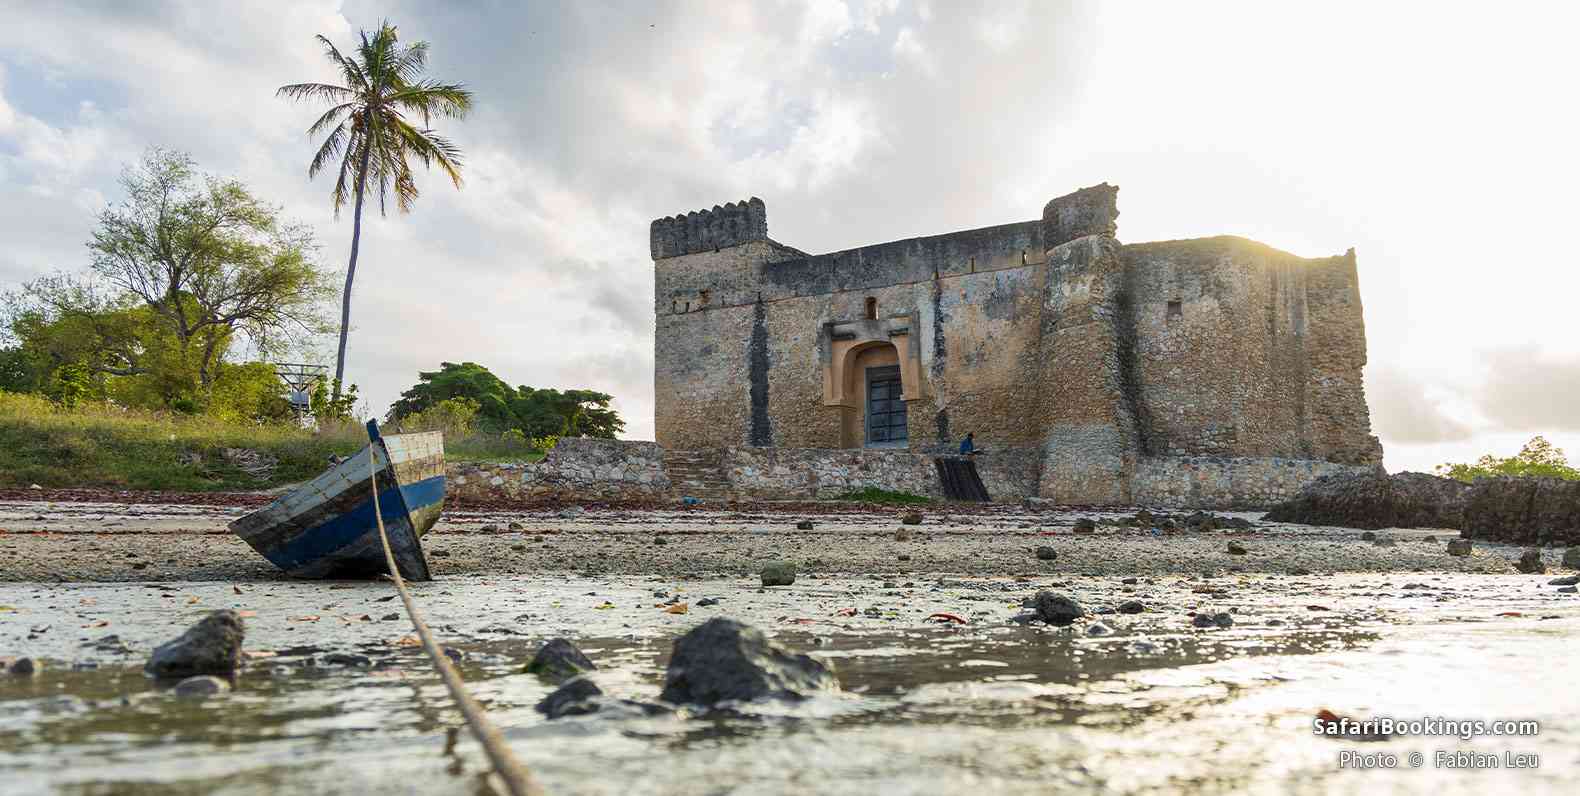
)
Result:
{"points": [[1045, 335]]}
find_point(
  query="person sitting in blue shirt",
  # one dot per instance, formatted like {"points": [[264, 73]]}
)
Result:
{"points": [[968, 446]]}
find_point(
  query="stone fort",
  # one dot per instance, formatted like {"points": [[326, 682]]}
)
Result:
{"points": [[1214, 371]]}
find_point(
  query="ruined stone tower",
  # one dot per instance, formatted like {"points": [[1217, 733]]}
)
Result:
{"points": [[1102, 372]]}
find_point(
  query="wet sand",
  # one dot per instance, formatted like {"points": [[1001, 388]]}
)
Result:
{"points": [[75, 542], [334, 697]]}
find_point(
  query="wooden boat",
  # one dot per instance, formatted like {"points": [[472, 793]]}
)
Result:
{"points": [[326, 527]]}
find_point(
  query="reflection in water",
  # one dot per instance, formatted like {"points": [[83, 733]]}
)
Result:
{"points": [[995, 708]]}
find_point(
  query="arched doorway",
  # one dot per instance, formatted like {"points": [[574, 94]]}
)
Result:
{"points": [[871, 370]]}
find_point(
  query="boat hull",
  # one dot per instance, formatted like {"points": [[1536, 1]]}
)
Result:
{"points": [[328, 528]]}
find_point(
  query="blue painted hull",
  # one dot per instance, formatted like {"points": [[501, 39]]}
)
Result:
{"points": [[327, 527]]}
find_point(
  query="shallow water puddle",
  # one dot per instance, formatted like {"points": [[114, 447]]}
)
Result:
{"points": [[1157, 706]]}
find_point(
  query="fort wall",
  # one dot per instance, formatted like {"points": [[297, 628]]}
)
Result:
{"points": [[1110, 361]]}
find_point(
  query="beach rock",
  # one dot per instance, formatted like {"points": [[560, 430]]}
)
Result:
{"points": [[1528, 511], [578, 696], [1531, 562], [212, 646], [203, 685], [1567, 580], [1377, 500], [707, 601], [559, 660], [1458, 547], [1131, 607], [346, 659], [1085, 525], [1056, 609], [1212, 620], [1235, 549], [1568, 590], [902, 535], [722, 660], [778, 573], [25, 667], [1099, 629], [1571, 558], [1046, 553], [1368, 536], [804, 525], [911, 518]]}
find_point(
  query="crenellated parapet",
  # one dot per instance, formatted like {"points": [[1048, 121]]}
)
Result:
{"points": [[709, 230]]}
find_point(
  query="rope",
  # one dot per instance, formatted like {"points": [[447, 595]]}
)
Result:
{"points": [[516, 778]]}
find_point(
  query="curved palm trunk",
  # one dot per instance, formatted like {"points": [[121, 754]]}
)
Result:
{"points": [[351, 272]]}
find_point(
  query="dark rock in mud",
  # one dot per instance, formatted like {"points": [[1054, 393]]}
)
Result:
{"points": [[911, 518], [778, 573], [559, 660], [1377, 500], [1056, 609], [1235, 549], [723, 660], [1458, 547], [25, 667], [1131, 607], [212, 646], [203, 685], [1046, 553], [1212, 620], [1532, 511], [1571, 558], [1531, 562], [577, 697]]}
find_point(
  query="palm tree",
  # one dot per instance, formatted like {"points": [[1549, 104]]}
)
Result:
{"points": [[371, 133]]}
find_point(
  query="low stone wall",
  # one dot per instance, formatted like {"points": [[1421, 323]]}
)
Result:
{"points": [[1210, 482], [576, 469], [597, 469], [803, 473]]}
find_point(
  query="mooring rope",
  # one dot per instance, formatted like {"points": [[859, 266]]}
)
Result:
{"points": [[515, 775]]}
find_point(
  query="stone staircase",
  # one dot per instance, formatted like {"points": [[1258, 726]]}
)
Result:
{"points": [[698, 474]]}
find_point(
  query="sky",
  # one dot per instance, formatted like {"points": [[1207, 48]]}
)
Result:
{"points": [[1435, 139]]}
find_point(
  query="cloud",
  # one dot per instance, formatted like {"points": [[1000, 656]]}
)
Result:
{"points": [[857, 122], [1529, 389], [1403, 411]]}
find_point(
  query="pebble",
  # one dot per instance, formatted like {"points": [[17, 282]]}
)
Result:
{"points": [[1099, 629], [1056, 609], [911, 518], [1046, 553], [778, 573], [804, 525], [1131, 607], [1531, 562], [1235, 549], [26, 667], [203, 685]]}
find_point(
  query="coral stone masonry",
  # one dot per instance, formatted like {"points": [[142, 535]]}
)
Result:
{"points": [[1209, 371]]}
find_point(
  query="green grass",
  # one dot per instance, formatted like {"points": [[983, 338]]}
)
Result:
{"points": [[873, 494], [110, 447]]}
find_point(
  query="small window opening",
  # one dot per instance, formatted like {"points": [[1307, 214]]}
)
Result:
{"points": [[1176, 310], [872, 308], [688, 306], [973, 265], [1022, 256]]}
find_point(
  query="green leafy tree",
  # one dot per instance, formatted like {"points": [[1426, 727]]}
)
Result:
{"points": [[465, 380], [536, 413], [210, 260], [1539, 458], [372, 135]]}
